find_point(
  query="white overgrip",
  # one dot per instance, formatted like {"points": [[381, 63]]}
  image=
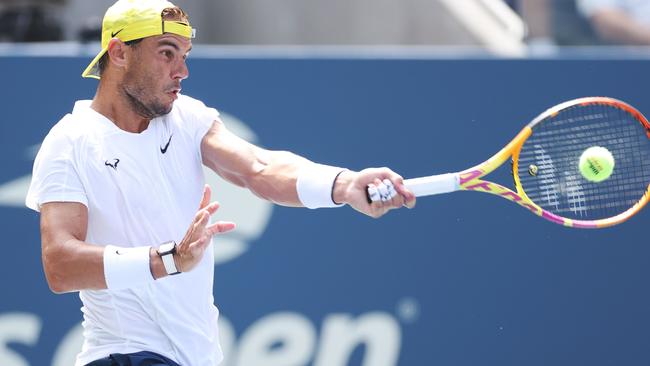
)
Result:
{"points": [[434, 184]]}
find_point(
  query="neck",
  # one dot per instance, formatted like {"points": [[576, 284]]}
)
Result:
{"points": [[114, 105]]}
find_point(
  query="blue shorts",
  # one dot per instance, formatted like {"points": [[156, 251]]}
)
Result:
{"points": [[134, 359]]}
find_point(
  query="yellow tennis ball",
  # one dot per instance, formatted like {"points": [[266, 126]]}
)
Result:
{"points": [[596, 164]]}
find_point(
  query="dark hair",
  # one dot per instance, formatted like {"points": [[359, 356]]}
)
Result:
{"points": [[167, 14]]}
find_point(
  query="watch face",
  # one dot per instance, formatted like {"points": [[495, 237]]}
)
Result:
{"points": [[166, 248]]}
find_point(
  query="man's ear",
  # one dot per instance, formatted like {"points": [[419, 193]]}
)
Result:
{"points": [[117, 52]]}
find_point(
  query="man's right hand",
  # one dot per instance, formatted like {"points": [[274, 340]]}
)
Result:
{"points": [[190, 250]]}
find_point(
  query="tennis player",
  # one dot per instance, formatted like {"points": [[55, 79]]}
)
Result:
{"points": [[125, 214]]}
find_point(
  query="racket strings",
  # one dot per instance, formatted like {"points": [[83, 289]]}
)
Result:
{"points": [[555, 146]]}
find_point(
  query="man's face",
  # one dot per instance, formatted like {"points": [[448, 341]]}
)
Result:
{"points": [[155, 70]]}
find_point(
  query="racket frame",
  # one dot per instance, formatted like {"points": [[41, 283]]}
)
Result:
{"points": [[470, 179]]}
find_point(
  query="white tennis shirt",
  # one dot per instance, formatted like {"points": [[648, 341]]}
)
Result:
{"points": [[141, 189]]}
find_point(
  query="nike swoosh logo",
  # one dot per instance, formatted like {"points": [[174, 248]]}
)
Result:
{"points": [[164, 149], [113, 164], [113, 34]]}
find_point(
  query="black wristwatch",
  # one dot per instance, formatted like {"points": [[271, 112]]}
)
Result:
{"points": [[166, 252]]}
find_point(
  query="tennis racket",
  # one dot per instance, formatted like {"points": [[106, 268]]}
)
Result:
{"points": [[545, 165]]}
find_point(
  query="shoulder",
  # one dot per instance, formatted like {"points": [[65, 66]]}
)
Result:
{"points": [[189, 108], [185, 101], [66, 131], [72, 129], [77, 123]]}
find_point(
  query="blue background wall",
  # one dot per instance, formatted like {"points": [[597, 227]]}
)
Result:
{"points": [[468, 278]]}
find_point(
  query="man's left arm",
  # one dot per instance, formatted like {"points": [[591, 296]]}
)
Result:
{"points": [[275, 175]]}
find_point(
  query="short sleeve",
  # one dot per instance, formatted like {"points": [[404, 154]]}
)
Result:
{"points": [[54, 177], [198, 116], [206, 118]]}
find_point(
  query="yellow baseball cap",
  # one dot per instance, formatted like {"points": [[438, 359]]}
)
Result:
{"points": [[134, 19]]}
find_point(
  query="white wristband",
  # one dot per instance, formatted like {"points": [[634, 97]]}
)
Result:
{"points": [[126, 267], [315, 184]]}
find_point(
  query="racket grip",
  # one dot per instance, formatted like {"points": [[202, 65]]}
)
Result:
{"points": [[427, 186], [434, 184]]}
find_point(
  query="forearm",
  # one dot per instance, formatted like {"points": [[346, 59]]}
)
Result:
{"points": [[285, 179], [276, 175], [269, 174], [74, 265]]}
